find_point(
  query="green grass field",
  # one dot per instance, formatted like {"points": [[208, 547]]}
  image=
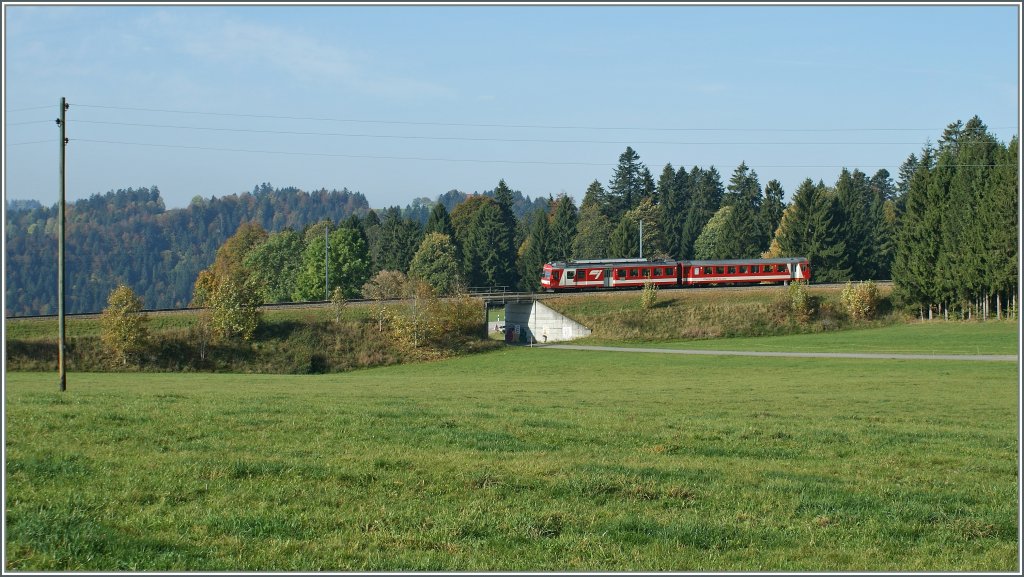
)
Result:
{"points": [[523, 460]]}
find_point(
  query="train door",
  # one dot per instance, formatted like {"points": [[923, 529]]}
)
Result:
{"points": [[607, 277]]}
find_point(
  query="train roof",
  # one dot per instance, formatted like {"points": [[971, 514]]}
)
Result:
{"points": [[782, 260], [610, 262], [613, 262]]}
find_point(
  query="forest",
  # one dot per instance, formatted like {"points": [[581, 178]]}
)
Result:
{"points": [[944, 230]]}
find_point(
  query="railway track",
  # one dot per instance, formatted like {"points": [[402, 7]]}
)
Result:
{"points": [[491, 297]]}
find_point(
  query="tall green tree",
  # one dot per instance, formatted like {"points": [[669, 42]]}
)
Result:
{"points": [[706, 198], [742, 233], [771, 209], [435, 263], [651, 217], [917, 249], [342, 256], [806, 230], [708, 243], [562, 231], [398, 240], [625, 239], [534, 252], [630, 183], [277, 261], [489, 260], [593, 228], [853, 194], [674, 197]]}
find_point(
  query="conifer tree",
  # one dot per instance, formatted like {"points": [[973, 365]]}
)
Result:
{"points": [[562, 229], [806, 230], [624, 241], [535, 252], [705, 200], [593, 229], [674, 195]]}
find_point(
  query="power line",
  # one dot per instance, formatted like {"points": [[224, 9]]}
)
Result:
{"points": [[26, 109], [465, 160], [479, 139], [25, 143], [338, 155], [499, 125], [50, 121]]}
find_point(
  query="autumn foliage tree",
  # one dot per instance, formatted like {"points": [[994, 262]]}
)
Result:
{"points": [[123, 323]]}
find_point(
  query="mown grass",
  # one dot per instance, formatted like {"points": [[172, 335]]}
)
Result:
{"points": [[925, 337], [521, 459]]}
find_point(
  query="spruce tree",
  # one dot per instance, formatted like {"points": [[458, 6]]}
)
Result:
{"points": [[624, 241], [535, 252], [562, 228], [593, 230], [674, 194], [807, 231], [705, 200]]}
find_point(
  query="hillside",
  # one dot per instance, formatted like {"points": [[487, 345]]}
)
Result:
{"points": [[129, 236]]}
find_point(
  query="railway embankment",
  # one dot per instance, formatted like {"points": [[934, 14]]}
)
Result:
{"points": [[710, 313]]}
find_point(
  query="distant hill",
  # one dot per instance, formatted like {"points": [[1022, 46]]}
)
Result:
{"points": [[129, 236]]}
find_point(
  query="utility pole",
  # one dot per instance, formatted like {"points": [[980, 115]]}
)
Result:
{"points": [[62, 122], [327, 230]]}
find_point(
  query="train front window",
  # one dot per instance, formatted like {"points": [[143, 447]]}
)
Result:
{"points": [[546, 275]]}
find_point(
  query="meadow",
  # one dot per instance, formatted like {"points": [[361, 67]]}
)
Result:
{"points": [[524, 460]]}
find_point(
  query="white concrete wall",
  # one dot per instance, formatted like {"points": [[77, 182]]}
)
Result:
{"points": [[538, 321]]}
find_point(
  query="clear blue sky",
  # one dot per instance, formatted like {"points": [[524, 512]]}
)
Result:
{"points": [[414, 101]]}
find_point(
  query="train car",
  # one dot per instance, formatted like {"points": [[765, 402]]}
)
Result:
{"points": [[608, 273], [745, 271], [635, 272]]}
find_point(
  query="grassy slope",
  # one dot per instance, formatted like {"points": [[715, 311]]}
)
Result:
{"points": [[522, 459], [935, 337]]}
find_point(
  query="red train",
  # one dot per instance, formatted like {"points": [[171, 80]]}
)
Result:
{"points": [[634, 272]]}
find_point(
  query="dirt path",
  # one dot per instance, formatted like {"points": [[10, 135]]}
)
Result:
{"points": [[999, 358]]}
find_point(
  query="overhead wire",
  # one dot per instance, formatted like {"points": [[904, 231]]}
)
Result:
{"points": [[499, 125]]}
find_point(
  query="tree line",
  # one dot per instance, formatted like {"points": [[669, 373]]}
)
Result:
{"points": [[944, 230]]}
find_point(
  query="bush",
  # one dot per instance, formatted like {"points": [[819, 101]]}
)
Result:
{"points": [[649, 296], [860, 300], [799, 303]]}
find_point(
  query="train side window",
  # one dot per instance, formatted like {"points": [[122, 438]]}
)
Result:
{"points": [[709, 270], [620, 273], [634, 273], [732, 270], [743, 269], [719, 270], [555, 274], [581, 274], [570, 274], [755, 268], [647, 272]]}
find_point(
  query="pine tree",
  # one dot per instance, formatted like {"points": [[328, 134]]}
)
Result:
{"points": [[853, 195], [593, 229], [564, 217], [674, 194], [706, 198], [708, 243], [913, 268], [534, 252], [628, 185], [807, 231], [771, 209], [624, 241]]}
